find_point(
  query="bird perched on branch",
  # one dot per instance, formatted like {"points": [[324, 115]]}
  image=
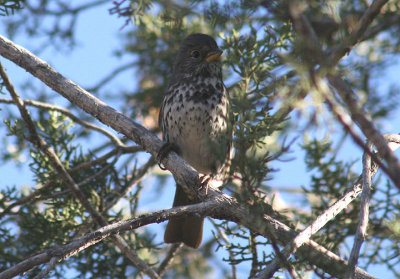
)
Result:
{"points": [[194, 121]]}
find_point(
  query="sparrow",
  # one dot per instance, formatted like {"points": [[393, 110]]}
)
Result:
{"points": [[194, 119]]}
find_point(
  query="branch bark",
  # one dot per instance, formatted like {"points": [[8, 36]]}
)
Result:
{"points": [[361, 233], [367, 126]]}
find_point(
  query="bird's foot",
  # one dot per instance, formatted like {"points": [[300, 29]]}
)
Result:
{"points": [[164, 151], [204, 180]]}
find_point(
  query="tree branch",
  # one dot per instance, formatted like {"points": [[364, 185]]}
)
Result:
{"points": [[50, 266], [357, 113], [68, 113], [393, 20], [111, 76], [359, 30], [173, 250], [367, 126], [364, 214], [314, 227]]}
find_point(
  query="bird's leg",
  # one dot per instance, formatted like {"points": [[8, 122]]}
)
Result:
{"points": [[164, 151], [204, 179]]}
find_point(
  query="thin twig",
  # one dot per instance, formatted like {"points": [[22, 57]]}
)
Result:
{"points": [[368, 169], [68, 113], [111, 76], [314, 227], [139, 175], [49, 267], [342, 116], [86, 180], [225, 238], [364, 214], [281, 259], [359, 30], [102, 159], [173, 250], [253, 250], [135, 259]]}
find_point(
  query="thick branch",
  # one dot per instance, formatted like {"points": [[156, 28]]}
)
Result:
{"points": [[368, 127]]}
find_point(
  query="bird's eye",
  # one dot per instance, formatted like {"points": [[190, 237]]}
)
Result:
{"points": [[195, 54]]}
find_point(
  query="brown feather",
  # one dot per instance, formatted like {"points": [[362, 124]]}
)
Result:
{"points": [[188, 230]]}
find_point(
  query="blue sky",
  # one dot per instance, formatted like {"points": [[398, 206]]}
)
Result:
{"points": [[98, 35]]}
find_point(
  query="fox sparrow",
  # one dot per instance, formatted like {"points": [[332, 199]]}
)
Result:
{"points": [[195, 124]]}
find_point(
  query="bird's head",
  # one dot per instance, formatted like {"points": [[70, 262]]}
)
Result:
{"points": [[198, 56]]}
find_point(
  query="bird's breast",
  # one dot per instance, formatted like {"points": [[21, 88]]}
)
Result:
{"points": [[195, 119]]}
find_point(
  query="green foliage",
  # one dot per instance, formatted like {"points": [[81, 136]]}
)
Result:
{"points": [[329, 181], [254, 55], [55, 215]]}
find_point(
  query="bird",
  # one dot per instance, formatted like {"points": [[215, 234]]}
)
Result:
{"points": [[196, 124]]}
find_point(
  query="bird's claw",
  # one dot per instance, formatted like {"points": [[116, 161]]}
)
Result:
{"points": [[204, 179], [164, 151]]}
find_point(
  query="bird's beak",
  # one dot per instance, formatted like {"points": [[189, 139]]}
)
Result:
{"points": [[213, 55]]}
